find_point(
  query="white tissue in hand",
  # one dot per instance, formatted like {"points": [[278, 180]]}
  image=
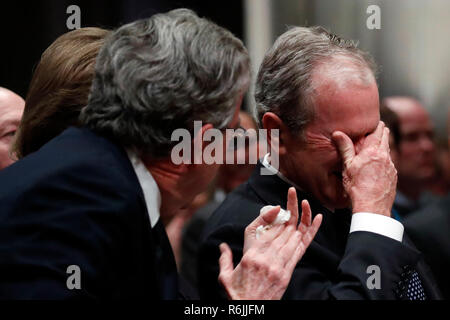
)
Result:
{"points": [[282, 217]]}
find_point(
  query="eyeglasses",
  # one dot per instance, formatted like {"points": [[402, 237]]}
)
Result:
{"points": [[240, 138]]}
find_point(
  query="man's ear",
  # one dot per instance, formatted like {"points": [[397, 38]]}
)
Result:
{"points": [[271, 121]]}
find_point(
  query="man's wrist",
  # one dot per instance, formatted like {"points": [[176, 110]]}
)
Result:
{"points": [[373, 208]]}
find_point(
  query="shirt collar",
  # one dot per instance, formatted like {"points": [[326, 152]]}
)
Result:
{"points": [[152, 195], [266, 163]]}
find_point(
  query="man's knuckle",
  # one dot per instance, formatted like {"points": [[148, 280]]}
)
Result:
{"points": [[247, 260], [274, 273], [223, 277], [284, 279], [256, 261]]}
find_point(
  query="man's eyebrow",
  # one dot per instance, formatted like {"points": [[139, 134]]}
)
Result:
{"points": [[9, 121], [353, 135]]}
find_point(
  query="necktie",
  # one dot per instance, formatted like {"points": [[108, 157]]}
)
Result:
{"points": [[415, 288], [411, 287]]}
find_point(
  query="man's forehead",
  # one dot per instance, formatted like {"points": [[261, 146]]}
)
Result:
{"points": [[11, 105], [8, 98], [405, 107], [417, 124], [415, 115], [349, 101], [10, 115], [417, 119]]}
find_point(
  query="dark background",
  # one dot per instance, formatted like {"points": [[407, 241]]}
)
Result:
{"points": [[29, 27]]}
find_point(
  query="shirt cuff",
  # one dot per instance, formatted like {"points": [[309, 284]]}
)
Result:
{"points": [[376, 223]]}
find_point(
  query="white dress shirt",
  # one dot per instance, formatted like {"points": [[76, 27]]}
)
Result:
{"points": [[361, 221], [148, 184]]}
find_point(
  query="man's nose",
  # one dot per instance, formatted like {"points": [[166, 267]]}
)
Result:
{"points": [[426, 144]]}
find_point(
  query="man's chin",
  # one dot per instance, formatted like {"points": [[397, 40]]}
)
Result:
{"points": [[338, 201], [342, 203], [429, 175]]}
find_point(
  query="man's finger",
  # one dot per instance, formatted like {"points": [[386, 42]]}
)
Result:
{"points": [[303, 244], [345, 147], [310, 233], [283, 237], [375, 137], [269, 216], [288, 250], [384, 145], [225, 263], [265, 218], [292, 206], [306, 213]]}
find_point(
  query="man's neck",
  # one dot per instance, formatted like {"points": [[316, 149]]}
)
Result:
{"points": [[285, 170], [167, 181]]}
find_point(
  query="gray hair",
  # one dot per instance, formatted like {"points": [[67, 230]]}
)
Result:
{"points": [[284, 83], [159, 74]]}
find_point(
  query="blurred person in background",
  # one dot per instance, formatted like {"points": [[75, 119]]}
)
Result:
{"points": [[391, 120], [11, 109], [416, 153], [440, 186], [429, 228]]}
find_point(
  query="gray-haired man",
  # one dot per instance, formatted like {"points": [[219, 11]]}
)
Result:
{"points": [[320, 92], [82, 217]]}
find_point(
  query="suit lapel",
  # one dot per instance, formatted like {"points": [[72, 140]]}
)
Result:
{"points": [[165, 263], [269, 188]]}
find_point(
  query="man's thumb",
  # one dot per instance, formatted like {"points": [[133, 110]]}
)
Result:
{"points": [[345, 146]]}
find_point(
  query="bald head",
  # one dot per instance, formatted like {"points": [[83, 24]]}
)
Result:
{"points": [[415, 164], [10, 100], [11, 109], [406, 107]]}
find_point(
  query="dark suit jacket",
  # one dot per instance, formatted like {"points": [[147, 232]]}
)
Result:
{"points": [[429, 228], [77, 201], [191, 239], [334, 266]]}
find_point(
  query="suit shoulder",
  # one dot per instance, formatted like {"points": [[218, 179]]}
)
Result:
{"points": [[76, 167], [435, 214], [76, 154]]}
